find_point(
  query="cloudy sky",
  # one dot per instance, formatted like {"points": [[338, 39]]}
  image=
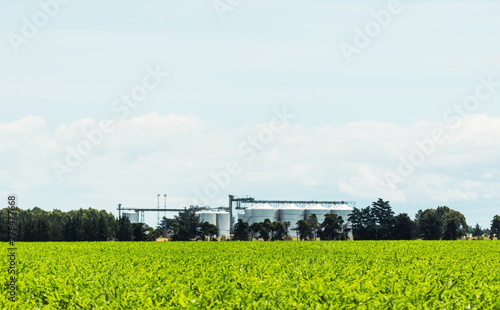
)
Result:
{"points": [[118, 101]]}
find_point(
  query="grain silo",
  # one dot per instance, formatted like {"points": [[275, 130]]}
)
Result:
{"points": [[261, 212], [290, 213], [342, 210], [132, 216], [223, 224], [318, 210], [208, 216], [246, 216]]}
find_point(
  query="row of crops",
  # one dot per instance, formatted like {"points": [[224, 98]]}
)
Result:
{"points": [[257, 275]]}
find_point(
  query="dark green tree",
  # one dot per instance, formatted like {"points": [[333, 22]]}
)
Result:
{"points": [[313, 226], [303, 230], [404, 227], [477, 231], [383, 216], [254, 230], [140, 232], [455, 225], [440, 223], [106, 226], [266, 229], [153, 234], [166, 226], [124, 230], [278, 231], [429, 224], [364, 226], [331, 227], [287, 226], [180, 233], [185, 226], [375, 222], [241, 231], [495, 227], [4, 225], [208, 230], [57, 220]]}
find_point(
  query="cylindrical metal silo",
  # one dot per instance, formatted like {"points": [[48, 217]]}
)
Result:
{"points": [[262, 212], [223, 224], [291, 213], [318, 210], [342, 210], [247, 215], [208, 216], [132, 216]]}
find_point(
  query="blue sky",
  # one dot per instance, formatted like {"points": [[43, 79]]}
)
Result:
{"points": [[353, 122]]}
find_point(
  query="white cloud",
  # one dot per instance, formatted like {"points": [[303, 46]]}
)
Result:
{"points": [[177, 153]]}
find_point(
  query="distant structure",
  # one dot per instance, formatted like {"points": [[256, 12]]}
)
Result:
{"points": [[255, 211], [136, 215], [133, 216], [215, 216], [219, 219], [251, 211]]}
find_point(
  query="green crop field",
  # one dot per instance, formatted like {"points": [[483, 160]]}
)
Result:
{"points": [[257, 275]]}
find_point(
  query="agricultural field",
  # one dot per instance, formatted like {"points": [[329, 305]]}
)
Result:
{"points": [[257, 275]]}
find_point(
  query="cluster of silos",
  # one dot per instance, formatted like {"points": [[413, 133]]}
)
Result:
{"points": [[317, 210], [132, 216], [219, 219], [292, 213]]}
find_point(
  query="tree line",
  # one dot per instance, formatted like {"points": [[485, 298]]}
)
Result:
{"points": [[76, 225], [378, 222], [374, 222]]}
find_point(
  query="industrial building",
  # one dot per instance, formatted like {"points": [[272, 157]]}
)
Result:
{"points": [[252, 211], [255, 211]]}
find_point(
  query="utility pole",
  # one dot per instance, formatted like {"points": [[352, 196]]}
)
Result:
{"points": [[158, 209]]}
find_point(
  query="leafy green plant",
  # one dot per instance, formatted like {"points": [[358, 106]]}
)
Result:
{"points": [[257, 275]]}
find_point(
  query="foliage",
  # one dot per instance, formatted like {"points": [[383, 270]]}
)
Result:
{"points": [[257, 275], [166, 226], [404, 227], [77, 225], [477, 231], [377, 222], [241, 231], [331, 228], [185, 225], [255, 230], [495, 227], [302, 229], [279, 231], [208, 230], [441, 223], [125, 231]]}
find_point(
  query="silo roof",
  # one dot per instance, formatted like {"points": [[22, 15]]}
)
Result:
{"points": [[290, 206], [261, 206], [342, 208], [315, 207], [207, 212]]}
